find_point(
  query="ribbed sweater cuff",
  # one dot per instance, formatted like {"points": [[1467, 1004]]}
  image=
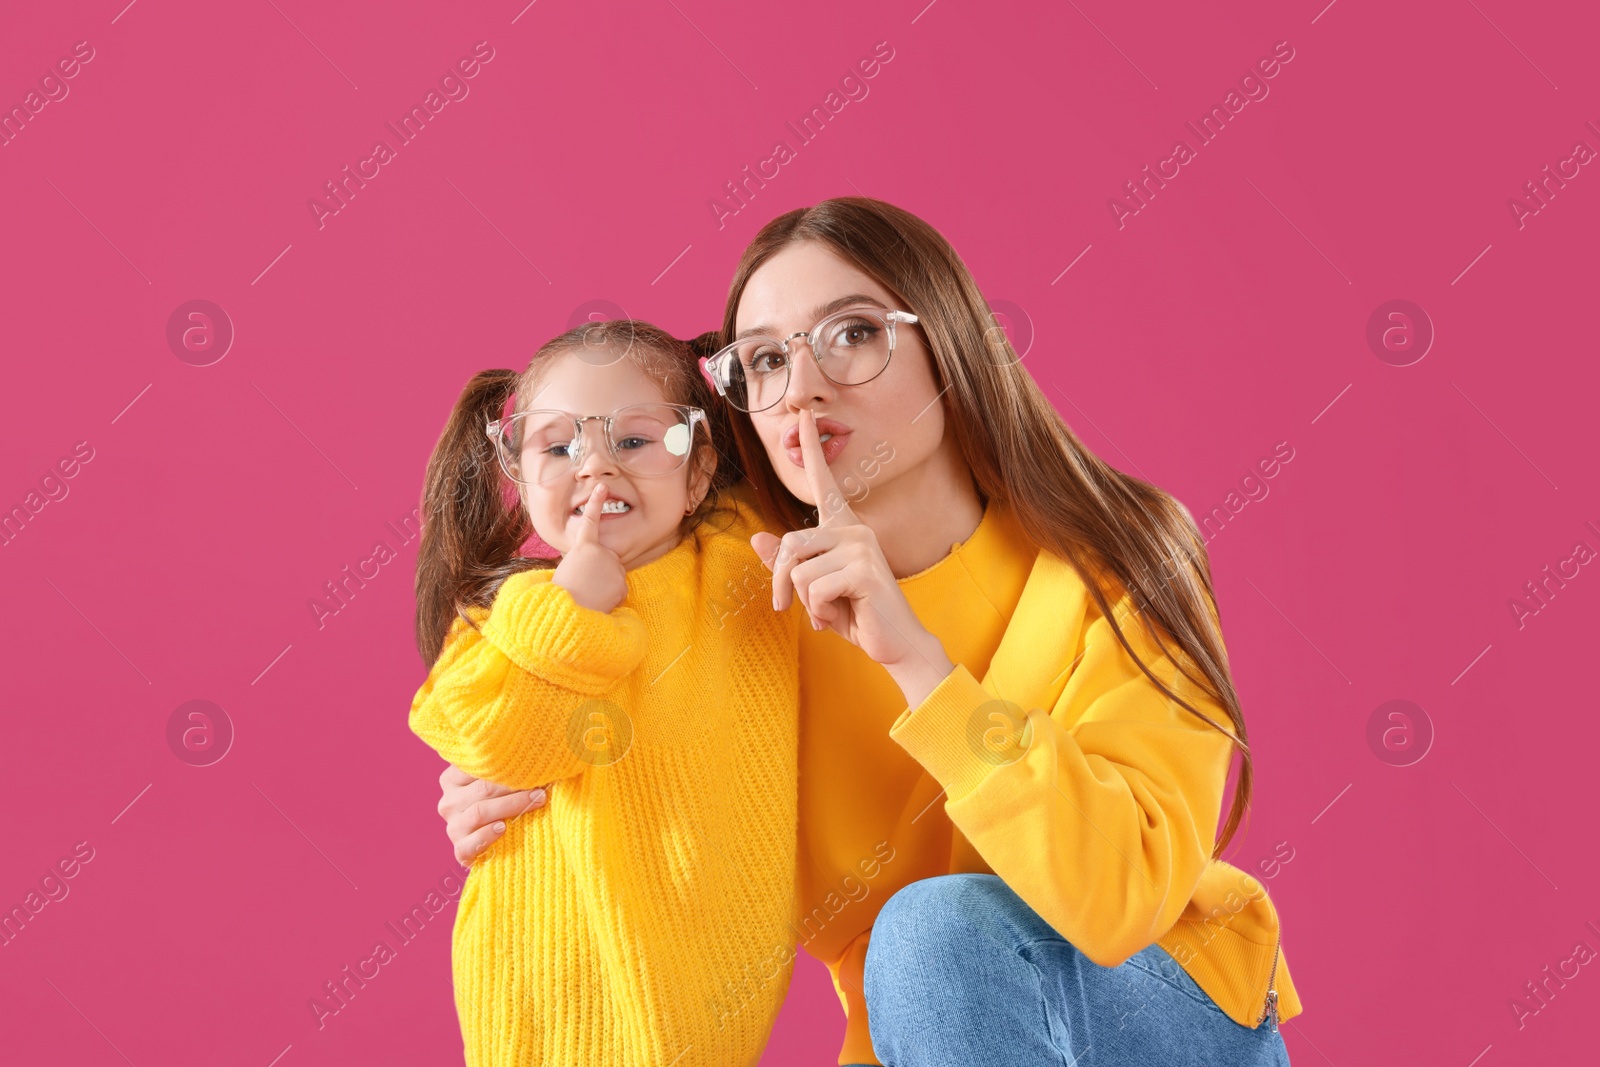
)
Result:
{"points": [[540, 628], [945, 733]]}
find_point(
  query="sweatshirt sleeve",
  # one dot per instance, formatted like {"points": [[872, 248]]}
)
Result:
{"points": [[504, 702], [1102, 812]]}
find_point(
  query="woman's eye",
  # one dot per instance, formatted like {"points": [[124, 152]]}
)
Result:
{"points": [[853, 334], [765, 362]]}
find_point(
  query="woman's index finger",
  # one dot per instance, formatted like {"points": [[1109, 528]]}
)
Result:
{"points": [[823, 486]]}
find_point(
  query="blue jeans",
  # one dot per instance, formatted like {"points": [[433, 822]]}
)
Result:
{"points": [[960, 971]]}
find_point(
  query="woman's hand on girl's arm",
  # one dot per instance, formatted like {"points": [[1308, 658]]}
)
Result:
{"points": [[475, 810], [839, 574]]}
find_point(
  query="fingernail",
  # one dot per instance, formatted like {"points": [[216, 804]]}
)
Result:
{"points": [[499, 827], [537, 796]]}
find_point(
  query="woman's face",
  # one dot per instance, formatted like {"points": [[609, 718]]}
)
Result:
{"points": [[883, 431]]}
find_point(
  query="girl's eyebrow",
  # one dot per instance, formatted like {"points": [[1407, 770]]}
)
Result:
{"points": [[818, 314]]}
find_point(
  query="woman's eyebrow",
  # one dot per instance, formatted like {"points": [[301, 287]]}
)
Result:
{"points": [[818, 314]]}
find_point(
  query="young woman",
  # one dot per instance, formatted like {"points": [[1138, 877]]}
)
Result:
{"points": [[1017, 718]]}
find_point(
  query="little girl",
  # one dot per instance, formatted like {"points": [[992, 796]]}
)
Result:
{"points": [[642, 916]]}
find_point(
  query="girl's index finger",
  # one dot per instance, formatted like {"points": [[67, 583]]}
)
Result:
{"points": [[832, 509], [589, 528]]}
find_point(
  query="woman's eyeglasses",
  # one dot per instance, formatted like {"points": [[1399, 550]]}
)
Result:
{"points": [[646, 440], [851, 347]]}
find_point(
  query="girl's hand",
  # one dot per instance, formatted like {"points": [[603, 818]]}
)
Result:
{"points": [[840, 576], [474, 810], [591, 572]]}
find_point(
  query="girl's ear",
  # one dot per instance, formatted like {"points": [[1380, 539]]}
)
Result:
{"points": [[705, 467]]}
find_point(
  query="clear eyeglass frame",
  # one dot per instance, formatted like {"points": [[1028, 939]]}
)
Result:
{"points": [[719, 366], [499, 432]]}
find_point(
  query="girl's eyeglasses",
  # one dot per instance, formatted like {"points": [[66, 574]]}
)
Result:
{"points": [[544, 445], [851, 347]]}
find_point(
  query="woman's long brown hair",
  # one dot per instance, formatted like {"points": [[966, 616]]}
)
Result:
{"points": [[1019, 449], [474, 523]]}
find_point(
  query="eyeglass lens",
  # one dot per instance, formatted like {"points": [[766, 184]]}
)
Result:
{"points": [[852, 348], [646, 441]]}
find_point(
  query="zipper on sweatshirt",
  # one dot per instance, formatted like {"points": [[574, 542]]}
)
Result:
{"points": [[1271, 1009]]}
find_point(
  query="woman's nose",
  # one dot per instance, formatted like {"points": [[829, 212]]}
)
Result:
{"points": [[806, 381]]}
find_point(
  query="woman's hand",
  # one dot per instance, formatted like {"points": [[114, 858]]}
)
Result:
{"points": [[591, 572], [839, 574], [474, 810]]}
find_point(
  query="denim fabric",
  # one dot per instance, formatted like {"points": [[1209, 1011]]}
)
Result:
{"points": [[960, 971]]}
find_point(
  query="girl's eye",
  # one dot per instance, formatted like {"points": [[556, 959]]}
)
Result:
{"points": [[559, 451], [633, 441]]}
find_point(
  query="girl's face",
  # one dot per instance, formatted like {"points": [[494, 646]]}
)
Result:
{"points": [[642, 514], [883, 431]]}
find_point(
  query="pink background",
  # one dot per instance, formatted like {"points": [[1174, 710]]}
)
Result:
{"points": [[1228, 315]]}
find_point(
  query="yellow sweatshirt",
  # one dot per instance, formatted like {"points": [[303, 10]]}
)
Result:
{"points": [[1103, 825], [632, 920]]}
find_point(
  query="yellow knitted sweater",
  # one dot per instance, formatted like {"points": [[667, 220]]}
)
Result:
{"points": [[642, 916]]}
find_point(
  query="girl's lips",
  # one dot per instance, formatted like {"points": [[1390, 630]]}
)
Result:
{"points": [[576, 514], [830, 449]]}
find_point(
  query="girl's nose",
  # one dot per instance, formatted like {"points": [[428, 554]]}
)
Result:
{"points": [[595, 460]]}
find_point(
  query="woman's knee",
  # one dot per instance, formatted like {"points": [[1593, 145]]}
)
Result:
{"points": [[948, 969], [918, 939], [925, 910], [922, 931]]}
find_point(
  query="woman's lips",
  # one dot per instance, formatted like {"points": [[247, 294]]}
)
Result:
{"points": [[830, 449]]}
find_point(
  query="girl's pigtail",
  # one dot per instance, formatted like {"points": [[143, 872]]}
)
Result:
{"points": [[707, 344], [729, 472], [472, 533]]}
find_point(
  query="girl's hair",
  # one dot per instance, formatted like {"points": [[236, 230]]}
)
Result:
{"points": [[474, 523], [1103, 522]]}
